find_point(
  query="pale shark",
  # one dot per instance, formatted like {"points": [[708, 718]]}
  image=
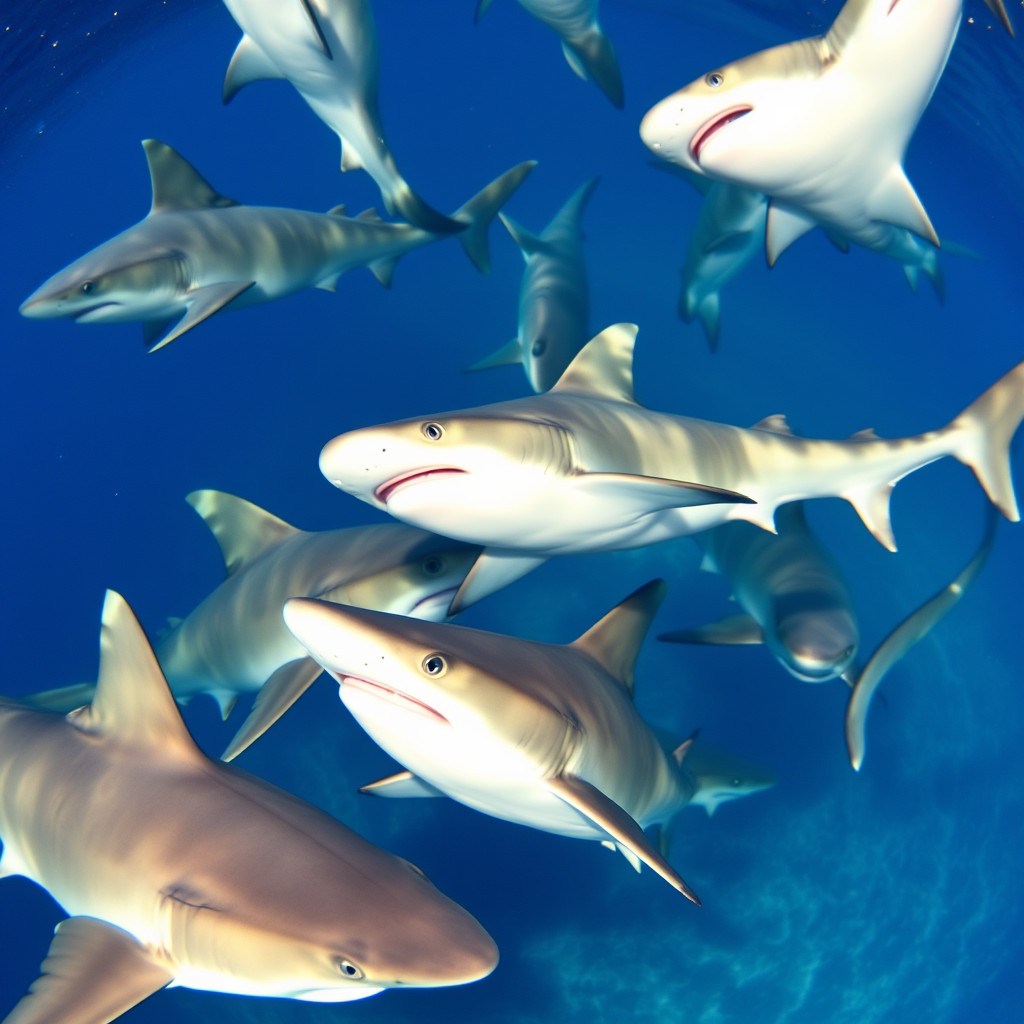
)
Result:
{"points": [[820, 125], [541, 734], [553, 298], [328, 50], [150, 848], [587, 49], [795, 600], [198, 252], [584, 467], [235, 641], [913, 628]]}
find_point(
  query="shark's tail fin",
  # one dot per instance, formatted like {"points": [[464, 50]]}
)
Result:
{"points": [[708, 311], [931, 269], [402, 202], [592, 55], [477, 214], [982, 434]]}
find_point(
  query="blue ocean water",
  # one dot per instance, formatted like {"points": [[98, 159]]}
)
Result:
{"points": [[833, 898]]}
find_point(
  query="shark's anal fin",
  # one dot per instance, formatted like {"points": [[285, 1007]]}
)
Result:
{"points": [[402, 784], [248, 64], [93, 973], [494, 569], [243, 530], [278, 694], [203, 303], [733, 629], [612, 819]]}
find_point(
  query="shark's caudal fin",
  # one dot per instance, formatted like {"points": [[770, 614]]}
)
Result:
{"points": [[402, 202], [592, 55], [912, 629], [478, 213], [981, 437]]}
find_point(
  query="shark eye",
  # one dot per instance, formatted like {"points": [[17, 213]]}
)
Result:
{"points": [[87, 287], [714, 79], [349, 969], [432, 566], [539, 346], [433, 431], [735, 783], [435, 665]]}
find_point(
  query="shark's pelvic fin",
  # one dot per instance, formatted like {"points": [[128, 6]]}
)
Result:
{"points": [[93, 973], [177, 185], [613, 820], [133, 703], [401, 784], [733, 629], [248, 64], [614, 641], [277, 695], [604, 366], [243, 530]]}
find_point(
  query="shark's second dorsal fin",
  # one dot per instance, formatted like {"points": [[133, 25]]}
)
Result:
{"points": [[243, 530], [177, 185], [774, 424], [133, 703], [604, 366], [614, 641]]}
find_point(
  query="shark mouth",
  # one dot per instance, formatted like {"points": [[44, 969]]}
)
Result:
{"points": [[389, 696], [440, 596], [715, 125], [388, 488], [89, 310]]}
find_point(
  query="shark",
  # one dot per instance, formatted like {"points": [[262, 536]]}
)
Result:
{"points": [[587, 49], [198, 252], [148, 846], [553, 298], [544, 735], [328, 50], [584, 467], [235, 641], [821, 125], [721, 777], [910, 631], [794, 598]]}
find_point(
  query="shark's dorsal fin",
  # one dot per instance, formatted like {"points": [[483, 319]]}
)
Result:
{"points": [[133, 703], [177, 185], [604, 366], [370, 215], [845, 25], [243, 530], [774, 424], [93, 972], [867, 434], [614, 641]]}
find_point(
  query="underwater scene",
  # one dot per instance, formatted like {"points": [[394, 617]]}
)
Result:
{"points": [[685, 219]]}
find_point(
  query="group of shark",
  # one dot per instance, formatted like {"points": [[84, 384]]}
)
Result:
{"points": [[177, 869]]}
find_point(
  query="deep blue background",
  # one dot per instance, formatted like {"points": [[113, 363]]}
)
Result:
{"points": [[834, 898]]}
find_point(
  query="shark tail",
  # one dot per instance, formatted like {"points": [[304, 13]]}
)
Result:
{"points": [[931, 268], [592, 55], [981, 437], [475, 216], [402, 202]]}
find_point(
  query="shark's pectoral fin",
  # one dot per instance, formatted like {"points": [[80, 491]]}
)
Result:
{"points": [[529, 243], [93, 973], [640, 495], [248, 64], [733, 629], [634, 861], [612, 819], [895, 201], [402, 784], [203, 303], [314, 21], [510, 354], [494, 568], [782, 228], [153, 330], [278, 694]]}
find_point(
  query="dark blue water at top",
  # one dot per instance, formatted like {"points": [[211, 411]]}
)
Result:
{"points": [[833, 898]]}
